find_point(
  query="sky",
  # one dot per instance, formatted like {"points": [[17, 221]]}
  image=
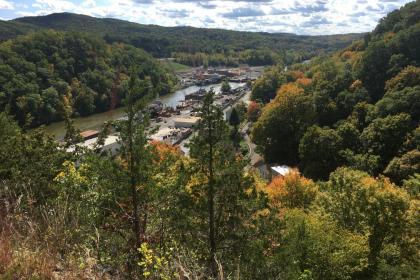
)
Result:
{"points": [[309, 17]]}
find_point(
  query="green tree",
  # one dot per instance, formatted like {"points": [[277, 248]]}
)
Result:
{"points": [[346, 100], [385, 136], [350, 135], [225, 87], [38, 67], [413, 140], [406, 100], [314, 242], [412, 185], [370, 206], [227, 197], [52, 105], [265, 88], [360, 116], [31, 181], [281, 125], [373, 69], [319, 151], [136, 153], [325, 107], [401, 168], [362, 161], [206, 147], [234, 121], [407, 77]]}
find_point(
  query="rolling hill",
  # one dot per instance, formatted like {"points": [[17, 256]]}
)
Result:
{"points": [[163, 41]]}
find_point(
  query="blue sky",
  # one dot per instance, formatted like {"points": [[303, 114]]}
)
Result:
{"points": [[301, 17]]}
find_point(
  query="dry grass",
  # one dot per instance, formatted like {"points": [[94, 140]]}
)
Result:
{"points": [[31, 248]]}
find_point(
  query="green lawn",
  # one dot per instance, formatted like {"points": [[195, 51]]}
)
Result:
{"points": [[177, 67]]}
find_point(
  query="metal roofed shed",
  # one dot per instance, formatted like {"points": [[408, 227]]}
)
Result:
{"points": [[280, 170]]}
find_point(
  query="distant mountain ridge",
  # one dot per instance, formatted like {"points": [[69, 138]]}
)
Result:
{"points": [[163, 41]]}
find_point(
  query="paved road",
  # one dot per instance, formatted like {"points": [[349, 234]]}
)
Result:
{"points": [[253, 155]]}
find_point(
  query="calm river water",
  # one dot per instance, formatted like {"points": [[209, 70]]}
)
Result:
{"points": [[96, 121]]}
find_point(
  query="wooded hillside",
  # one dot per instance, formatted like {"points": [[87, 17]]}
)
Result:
{"points": [[46, 74], [359, 107]]}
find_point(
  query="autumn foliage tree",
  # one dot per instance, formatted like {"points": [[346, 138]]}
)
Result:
{"points": [[253, 112], [291, 191], [363, 204]]}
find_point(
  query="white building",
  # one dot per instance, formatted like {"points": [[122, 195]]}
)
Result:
{"points": [[187, 122]]}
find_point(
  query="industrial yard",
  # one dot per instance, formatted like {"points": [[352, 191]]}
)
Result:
{"points": [[201, 76], [174, 125]]}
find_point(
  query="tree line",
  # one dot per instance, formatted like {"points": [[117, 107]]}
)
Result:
{"points": [[234, 59]]}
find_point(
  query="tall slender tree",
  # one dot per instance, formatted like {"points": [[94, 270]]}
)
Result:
{"points": [[229, 194], [235, 121], [135, 151], [212, 131]]}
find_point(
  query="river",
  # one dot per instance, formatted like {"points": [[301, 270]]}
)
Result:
{"points": [[96, 121]]}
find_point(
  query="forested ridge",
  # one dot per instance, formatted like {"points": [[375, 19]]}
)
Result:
{"points": [[217, 46], [46, 74], [359, 107], [348, 122]]}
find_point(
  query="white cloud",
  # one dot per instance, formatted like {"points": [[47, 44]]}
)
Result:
{"points": [[55, 5], [6, 5], [302, 17], [88, 4], [26, 14]]}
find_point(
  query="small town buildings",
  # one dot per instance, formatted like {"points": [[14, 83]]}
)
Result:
{"points": [[110, 144], [170, 135]]}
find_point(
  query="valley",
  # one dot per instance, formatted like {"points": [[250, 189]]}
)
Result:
{"points": [[171, 152]]}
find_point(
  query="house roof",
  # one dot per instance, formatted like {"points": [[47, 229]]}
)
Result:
{"points": [[89, 133]]}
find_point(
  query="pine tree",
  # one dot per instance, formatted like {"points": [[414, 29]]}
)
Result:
{"points": [[230, 194], [135, 152], [234, 121]]}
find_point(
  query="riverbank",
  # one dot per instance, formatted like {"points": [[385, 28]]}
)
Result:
{"points": [[96, 121]]}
